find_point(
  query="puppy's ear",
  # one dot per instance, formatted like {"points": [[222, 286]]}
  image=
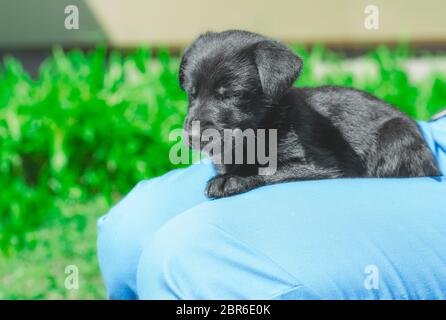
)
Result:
{"points": [[278, 67]]}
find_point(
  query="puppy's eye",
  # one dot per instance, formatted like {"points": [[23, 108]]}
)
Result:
{"points": [[222, 93]]}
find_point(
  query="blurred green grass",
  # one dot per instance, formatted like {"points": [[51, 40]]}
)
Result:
{"points": [[39, 272], [91, 125]]}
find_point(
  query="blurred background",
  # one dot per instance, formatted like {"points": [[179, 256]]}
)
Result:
{"points": [[89, 94]]}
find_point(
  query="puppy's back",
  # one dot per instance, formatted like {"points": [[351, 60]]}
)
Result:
{"points": [[378, 132]]}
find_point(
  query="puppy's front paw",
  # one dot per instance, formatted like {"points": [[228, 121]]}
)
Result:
{"points": [[226, 185]]}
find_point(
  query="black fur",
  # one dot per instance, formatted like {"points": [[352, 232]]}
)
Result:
{"points": [[238, 79]]}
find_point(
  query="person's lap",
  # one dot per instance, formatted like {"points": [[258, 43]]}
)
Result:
{"points": [[315, 239]]}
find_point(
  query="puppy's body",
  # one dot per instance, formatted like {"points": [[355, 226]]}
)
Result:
{"points": [[237, 79], [349, 133]]}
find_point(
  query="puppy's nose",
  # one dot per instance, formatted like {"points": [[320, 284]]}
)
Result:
{"points": [[206, 124], [198, 123]]}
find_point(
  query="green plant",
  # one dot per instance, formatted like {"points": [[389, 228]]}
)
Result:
{"points": [[87, 125], [39, 272]]}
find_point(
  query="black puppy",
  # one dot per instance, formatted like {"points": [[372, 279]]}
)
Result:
{"points": [[237, 79]]}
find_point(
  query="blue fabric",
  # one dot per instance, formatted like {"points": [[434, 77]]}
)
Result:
{"points": [[326, 239]]}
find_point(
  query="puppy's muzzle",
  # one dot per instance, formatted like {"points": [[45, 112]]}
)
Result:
{"points": [[193, 130]]}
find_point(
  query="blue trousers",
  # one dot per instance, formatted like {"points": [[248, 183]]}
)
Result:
{"points": [[326, 239]]}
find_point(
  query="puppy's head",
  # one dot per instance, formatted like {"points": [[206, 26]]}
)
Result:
{"points": [[234, 78]]}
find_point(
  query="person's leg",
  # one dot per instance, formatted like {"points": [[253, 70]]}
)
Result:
{"points": [[336, 239], [137, 217], [191, 258]]}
